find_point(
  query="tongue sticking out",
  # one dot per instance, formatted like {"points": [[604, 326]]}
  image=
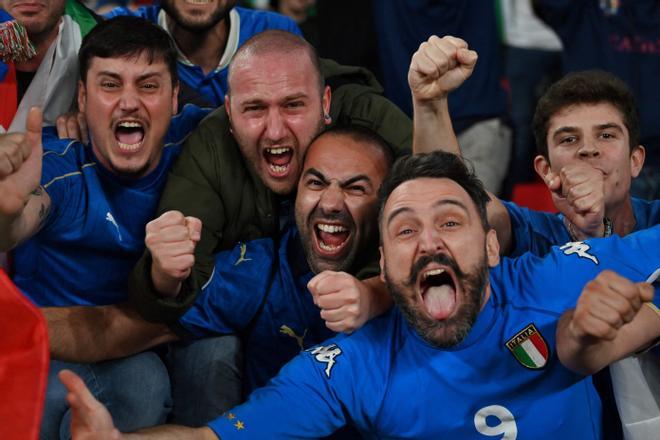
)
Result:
{"points": [[333, 239], [440, 301]]}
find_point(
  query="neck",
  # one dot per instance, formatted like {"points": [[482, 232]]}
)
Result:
{"points": [[41, 44], [622, 216], [203, 49]]}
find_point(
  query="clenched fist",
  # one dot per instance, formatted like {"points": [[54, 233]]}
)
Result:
{"points": [[439, 66], [171, 239]]}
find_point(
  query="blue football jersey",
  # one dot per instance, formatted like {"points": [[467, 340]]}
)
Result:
{"points": [[94, 233], [502, 381], [260, 291]]}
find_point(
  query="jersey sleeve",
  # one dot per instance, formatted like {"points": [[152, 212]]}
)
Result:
{"points": [[534, 231], [302, 401], [235, 292]]}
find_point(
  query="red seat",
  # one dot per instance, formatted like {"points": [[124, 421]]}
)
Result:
{"points": [[24, 360], [534, 195]]}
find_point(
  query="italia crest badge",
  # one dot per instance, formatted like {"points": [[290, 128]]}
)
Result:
{"points": [[529, 348]]}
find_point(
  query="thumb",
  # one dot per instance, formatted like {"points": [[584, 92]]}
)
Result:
{"points": [[646, 291], [467, 59], [33, 128], [194, 226]]}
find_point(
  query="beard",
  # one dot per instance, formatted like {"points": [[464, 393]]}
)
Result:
{"points": [[196, 23], [451, 331]]}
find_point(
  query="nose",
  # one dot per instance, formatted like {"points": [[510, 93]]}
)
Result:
{"points": [[332, 199], [275, 128], [129, 100], [589, 149], [430, 241]]}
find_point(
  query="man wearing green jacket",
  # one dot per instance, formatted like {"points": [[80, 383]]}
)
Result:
{"points": [[238, 170]]}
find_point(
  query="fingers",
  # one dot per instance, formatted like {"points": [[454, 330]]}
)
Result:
{"points": [[607, 303], [194, 226], [340, 297], [33, 127], [72, 126]]}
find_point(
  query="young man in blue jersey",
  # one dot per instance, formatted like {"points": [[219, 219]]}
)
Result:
{"points": [[472, 335], [587, 129], [74, 214]]}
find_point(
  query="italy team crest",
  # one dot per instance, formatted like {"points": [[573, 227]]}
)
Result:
{"points": [[529, 348]]}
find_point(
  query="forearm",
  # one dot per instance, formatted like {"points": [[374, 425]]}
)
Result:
{"points": [[381, 300], [93, 334], [433, 129], [172, 432], [21, 225]]}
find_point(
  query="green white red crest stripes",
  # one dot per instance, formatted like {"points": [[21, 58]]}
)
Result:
{"points": [[529, 348]]}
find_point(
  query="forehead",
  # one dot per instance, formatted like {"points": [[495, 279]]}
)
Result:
{"points": [[421, 196], [341, 157], [272, 74], [129, 65], [586, 116]]}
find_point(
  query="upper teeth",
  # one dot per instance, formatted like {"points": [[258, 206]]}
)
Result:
{"points": [[130, 124], [280, 150], [330, 228], [432, 272]]}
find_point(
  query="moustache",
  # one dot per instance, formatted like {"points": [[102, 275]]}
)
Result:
{"points": [[423, 261], [342, 217]]}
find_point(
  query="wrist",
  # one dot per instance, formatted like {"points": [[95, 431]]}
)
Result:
{"points": [[165, 285]]}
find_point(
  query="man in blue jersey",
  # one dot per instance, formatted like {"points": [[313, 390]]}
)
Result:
{"points": [[266, 289], [587, 130], [207, 35], [472, 336], [74, 214]]}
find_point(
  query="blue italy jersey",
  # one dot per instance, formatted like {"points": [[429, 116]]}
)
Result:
{"points": [[503, 381], [260, 291], [536, 232], [210, 89], [94, 233]]}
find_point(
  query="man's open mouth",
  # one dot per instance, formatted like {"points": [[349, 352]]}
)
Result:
{"points": [[129, 135], [437, 287], [331, 238], [278, 160]]}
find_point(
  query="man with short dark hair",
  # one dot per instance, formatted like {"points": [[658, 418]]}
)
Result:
{"points": [[472, 335], [74, 215]]}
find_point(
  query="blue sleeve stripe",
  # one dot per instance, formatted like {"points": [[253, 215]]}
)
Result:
{"points": [[64, 176]]}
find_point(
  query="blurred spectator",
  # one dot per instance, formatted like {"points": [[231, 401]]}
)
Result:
{"points": [[303, 12], [622, 37], [532, 63], [479, 107]]}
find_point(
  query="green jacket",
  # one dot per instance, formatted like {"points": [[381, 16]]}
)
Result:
{"points": [[212, 182]]}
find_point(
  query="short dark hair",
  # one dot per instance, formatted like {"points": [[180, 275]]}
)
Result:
{"points": [[124, 37], [437, 165], [276, 41], [587, 87], [362, 135]]}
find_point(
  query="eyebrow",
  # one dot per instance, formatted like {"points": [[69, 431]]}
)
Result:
{"points": [[257, 100], [437, 204], [610, 125], [605, 126], [345, 183], [142, 77]]}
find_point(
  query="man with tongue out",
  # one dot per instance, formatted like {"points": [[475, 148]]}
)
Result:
{"points": [[469, 352]]}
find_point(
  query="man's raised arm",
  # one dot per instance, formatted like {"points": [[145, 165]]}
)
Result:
{"points": [[24, 205], [613, 319]]}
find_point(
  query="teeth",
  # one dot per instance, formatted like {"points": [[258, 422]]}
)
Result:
{"points": [[130, 124], [129, 147], [327, 247], [198, 2], [280, 150], [278, 168], [432, 272], [330, 228]]}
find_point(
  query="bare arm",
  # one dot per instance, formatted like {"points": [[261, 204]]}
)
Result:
{"points": [[93, 334], [23, 204], [91, 420], [609, 323]]}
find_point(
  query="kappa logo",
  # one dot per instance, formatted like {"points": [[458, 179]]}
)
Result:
{"points": [[579, 248], [529, 348], [111, 219], [285, 329], [242, 258], [326, 355]]}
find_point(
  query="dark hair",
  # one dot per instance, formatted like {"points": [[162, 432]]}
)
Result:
{"points": [[587, 87], [437, 165], [276, 41], [362, 135], [125, 37]]}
